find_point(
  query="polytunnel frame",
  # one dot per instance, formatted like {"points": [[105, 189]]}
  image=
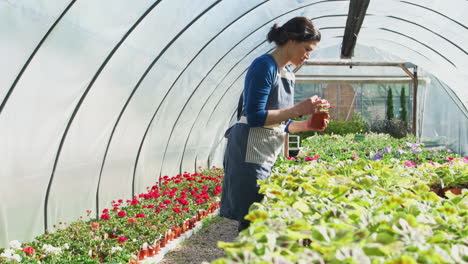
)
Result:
{"points": [[83, 96], [63, 13], [403, 65], [419, 42], [196, 88]]}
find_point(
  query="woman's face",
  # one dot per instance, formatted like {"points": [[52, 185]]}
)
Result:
{"points": [[300, 51]]}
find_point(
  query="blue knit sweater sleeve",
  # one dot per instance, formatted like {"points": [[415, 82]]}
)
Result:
{"points": [[258, 82]]}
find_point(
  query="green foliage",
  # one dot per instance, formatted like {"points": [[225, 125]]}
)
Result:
{"points": [[389, 114], [357, 211], [395, 127], [375, 146], [354, 126], [404, 112]]}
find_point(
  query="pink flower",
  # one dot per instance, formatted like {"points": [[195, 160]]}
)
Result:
{"points": [[410, 163], [291, 158], [94, 224], [28, 250], [449, 159], [140, 216], [132, 220], [355, 156], [105, 217], [122, 214], [122, 239], [88, 212], [307, 158], [465, 159]]}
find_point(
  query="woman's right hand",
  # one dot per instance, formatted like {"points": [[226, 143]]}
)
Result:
{"points": [[311, 106]]}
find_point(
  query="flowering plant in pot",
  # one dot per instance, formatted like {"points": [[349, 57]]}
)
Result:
{"points": [[120, 230]]}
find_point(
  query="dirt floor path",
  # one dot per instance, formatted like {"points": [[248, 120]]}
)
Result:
{"points": [[202, 246]]}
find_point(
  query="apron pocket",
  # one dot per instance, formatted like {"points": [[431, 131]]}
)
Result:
{"points": [[264, 145]]}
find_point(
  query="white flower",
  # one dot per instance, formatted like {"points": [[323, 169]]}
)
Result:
{"points": [[51, 250], [7, 253], [15, 244], [115, 249], [16, 257], [66, 246]]}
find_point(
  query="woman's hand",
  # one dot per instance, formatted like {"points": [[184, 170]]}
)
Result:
{"points": [[318, 121], [312, 105], [311, 124]]}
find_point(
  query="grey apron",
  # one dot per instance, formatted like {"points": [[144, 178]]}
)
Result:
{"points": [[251, 153]]}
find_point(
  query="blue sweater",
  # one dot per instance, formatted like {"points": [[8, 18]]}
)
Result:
{"points": [[262, 92]]}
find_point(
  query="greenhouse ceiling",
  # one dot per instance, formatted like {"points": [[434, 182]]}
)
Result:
{"points": [[107, 96]]}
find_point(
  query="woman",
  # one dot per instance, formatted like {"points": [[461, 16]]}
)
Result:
{"points": [[265, 115]]}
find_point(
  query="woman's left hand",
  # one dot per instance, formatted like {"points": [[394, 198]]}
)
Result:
{"points": [[318, 122]]}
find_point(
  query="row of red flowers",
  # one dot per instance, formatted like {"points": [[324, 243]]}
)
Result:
{"points": [[129, 229]]}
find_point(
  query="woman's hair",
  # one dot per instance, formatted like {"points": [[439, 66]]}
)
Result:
{"points": [[299, 29]]}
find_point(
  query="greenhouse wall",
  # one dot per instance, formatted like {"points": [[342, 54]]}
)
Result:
{"points": [[99, 99]]}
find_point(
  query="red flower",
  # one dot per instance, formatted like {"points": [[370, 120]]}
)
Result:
{"points": [[162, 206], [28, 250], [122, 214], [157, 210], [177, 210], [132, 220], [105, 217], [88, 212], [140, 216], [116, 208], [122, 239], [151, 206], [185, 209], [94, 224], [105, 211], [167, 201], [120, 201]]}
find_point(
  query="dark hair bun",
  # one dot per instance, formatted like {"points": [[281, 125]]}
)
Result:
{"points": [[297, 28], [278, 35]]}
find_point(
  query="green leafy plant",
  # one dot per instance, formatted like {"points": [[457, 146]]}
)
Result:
{"points": [[360, 211], [355, 125]]}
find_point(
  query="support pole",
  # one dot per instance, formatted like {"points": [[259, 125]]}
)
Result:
{"points": [[415, 98], [286, 146]]}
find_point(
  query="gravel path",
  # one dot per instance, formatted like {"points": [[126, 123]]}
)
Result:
{"points": [[202, 246]]}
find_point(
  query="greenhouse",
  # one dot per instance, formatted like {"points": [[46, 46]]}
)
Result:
{"points": [[114, 119]]}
